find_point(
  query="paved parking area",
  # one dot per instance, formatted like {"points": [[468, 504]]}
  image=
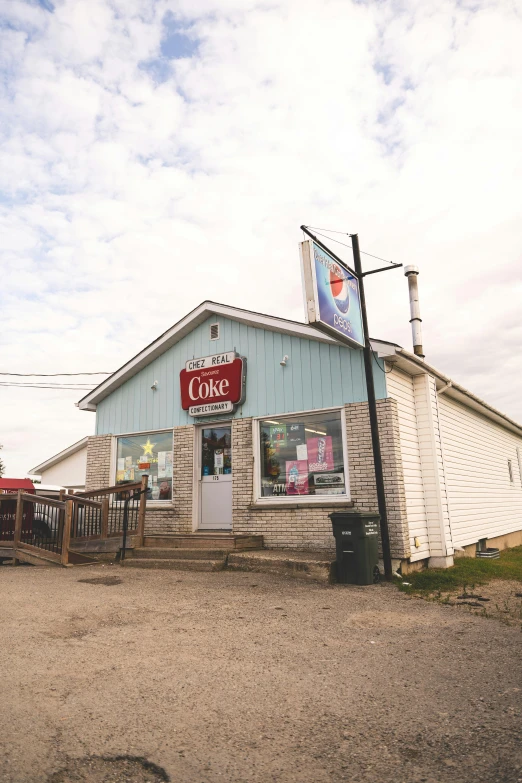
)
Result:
{"points": [[248, 677]]}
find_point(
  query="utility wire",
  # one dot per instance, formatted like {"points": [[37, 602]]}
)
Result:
{"points": [[383, 368], [51, 374], [47, 383], [41, 386]]}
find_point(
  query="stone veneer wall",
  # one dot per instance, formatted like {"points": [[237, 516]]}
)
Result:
{"points": [[309, 527], [362, 472], [98, 473], [158, 520]]}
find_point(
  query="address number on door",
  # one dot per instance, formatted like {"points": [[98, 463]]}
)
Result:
{"points": [[215, 478]]}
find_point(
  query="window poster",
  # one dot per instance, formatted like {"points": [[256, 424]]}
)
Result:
{"points": [[121, 464], [120, 474], [295, 434], [301, 451], [168, 464], [278, 435], [162, 464], [320, 453], [128, 463], [297, 477], [218, 460], [328, 480]]}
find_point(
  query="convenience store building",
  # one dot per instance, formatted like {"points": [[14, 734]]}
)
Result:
{"points": [[259, 425]]}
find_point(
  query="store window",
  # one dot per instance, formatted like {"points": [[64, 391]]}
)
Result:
{"points": [[150, 454], [302, 455]]}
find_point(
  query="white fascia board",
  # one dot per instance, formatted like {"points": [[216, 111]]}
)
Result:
{"points": [[184, 327], [59, 457]]}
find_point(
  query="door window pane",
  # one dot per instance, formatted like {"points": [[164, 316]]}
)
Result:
{"points": [[302, 455], [216, 451], [149, 454]]}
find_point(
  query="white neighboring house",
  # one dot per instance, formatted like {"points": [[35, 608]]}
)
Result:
{"points": [[66, 469]]}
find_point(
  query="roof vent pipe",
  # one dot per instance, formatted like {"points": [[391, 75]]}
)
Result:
{"points": [[411, 273]]}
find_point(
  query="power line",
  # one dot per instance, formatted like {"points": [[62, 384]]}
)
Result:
{"points": [[41, 386], [47, 383], [51, 374]]}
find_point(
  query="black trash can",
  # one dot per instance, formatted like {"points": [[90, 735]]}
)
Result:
{"points": [[356, 541]]}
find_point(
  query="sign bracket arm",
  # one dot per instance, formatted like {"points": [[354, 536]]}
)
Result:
{"points": [[381, 269]]}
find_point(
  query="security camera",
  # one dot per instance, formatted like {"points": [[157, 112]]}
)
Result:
{"points": [[283, 361], [154, 386]]}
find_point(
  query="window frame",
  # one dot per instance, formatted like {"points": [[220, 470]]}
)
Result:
{"points": [[300, 500], [114, 458]]}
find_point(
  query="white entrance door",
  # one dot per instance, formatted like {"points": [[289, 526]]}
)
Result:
{"points": [[215, 478]]}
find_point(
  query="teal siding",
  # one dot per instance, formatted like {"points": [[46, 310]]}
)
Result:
{"points": [[317, 375]]}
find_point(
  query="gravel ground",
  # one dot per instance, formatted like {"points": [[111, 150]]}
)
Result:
{"points": [[202, 677]]}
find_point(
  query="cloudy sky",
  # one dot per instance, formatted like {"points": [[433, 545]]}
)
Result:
{"points": [[156, 153]]}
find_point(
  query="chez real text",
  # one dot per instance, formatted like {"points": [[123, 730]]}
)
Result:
{"points": [[210, 361]]}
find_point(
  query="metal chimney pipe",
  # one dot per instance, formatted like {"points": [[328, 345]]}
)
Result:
{"points": [[411, 272]]}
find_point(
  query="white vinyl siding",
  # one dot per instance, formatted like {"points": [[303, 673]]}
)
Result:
{"points": [[400, 387], [483, 503]]}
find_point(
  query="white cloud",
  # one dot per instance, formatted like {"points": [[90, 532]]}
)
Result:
{"points": [[122, 172]]}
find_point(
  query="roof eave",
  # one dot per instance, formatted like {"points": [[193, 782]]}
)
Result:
{"points": [[68, 452]]}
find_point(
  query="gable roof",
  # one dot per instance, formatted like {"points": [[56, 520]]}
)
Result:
{"points": [[184, 327], [69, 451], [385, 350]]}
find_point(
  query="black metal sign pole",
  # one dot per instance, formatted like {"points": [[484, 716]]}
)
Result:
{"points": [[372, 407]]}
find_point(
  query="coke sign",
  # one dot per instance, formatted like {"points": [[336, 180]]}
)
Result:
{"points": [[212, 384]]}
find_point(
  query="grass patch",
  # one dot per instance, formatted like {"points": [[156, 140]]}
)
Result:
{"points": [[467, 572]]}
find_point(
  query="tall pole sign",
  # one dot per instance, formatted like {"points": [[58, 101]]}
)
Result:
{"points": [[335, 302]]}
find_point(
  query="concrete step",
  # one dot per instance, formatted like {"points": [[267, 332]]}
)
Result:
{"points": [[175, 564], [206, 540], [171, 553], [313, 566]]}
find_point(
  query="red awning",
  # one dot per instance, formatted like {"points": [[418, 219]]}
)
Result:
{"points": [[12, 484]]}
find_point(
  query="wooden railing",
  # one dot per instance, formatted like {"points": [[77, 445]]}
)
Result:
{"points": [[48, 529], [39, 529], [112, 501]]}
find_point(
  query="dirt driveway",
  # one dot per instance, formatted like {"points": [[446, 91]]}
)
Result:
{"points": [[246, 677]]}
